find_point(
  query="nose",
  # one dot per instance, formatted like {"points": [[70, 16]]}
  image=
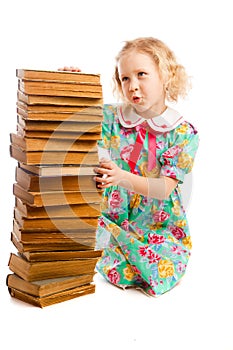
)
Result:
{"points": [[133, 85]]}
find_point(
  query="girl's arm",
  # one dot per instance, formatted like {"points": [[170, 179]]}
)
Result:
{"points": [[159, 188]]}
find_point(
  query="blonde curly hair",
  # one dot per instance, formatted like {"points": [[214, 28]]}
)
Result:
{"points": [[176, 81]]}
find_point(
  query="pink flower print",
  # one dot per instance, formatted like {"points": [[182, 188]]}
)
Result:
{"points": [[126, 151], [176, 250], [106, 260], [101, 222], [143, 251], [152, 282], [172, 152], [155, 239], [145, 284], [160, 145], [114, 276], [126, 132], [140, 231], [136, 270], [153, 257], [180, 266], [150, 291], [169, 173], [166, 161], [160, 216], [177, 232], [125, 225], [147, 287], [147, 201], [116, 200], [114, 216]]}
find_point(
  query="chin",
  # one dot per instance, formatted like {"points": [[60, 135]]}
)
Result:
{"points": [[140, 108]]}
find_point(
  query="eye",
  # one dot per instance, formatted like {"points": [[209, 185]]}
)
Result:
{"points": [[141, 74], [123, 79]]}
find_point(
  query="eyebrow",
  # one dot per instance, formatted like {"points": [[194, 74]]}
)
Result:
{"points": [[137, 71]]}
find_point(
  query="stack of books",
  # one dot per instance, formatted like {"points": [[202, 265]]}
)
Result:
{"points": [[57, 204]]}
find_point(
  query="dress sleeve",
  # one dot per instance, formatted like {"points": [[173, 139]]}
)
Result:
{"points": [[107, 124], [177, 160]]}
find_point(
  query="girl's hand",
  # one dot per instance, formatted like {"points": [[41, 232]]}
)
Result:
{"points": [[109, 174], [70, 69]]}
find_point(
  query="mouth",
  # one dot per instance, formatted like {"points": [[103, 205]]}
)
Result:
{"points": [[136, 99]]}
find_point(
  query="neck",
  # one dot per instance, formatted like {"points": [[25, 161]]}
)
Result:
{"points": [[155, 111]]}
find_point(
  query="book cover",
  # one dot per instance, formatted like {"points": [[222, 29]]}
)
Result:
{"points": [[65, 126], [59, 211], [52, 298], [56, 75], [58, 100], [61, 255], [48, 88], [34, 271], [56, 134], [51, 198], [50, 286], [57, 170], [54, 157], [43, 144], [49, 246], [36, 183]]}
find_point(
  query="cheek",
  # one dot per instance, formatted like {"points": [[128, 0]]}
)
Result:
{"points": [[157, 88], [124, 90]]}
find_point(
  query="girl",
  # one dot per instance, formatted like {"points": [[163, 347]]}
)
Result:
{"points": [[143, 230]]}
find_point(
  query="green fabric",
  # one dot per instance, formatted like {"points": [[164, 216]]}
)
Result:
{"points": [[146, 242]]}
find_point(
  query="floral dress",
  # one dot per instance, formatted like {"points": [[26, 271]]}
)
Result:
{"points": [[146, 242]]}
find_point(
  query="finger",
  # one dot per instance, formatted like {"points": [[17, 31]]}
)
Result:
{"points": [[102, 186], [102, 179], [70, 69], [106, 165], [75, 69], [102, 171], [106, 160]]}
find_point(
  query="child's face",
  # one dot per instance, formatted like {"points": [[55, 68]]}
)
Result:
{"points": [[141, 83]]}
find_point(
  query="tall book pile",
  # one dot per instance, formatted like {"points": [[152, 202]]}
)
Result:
{"points": [[57, 204]]}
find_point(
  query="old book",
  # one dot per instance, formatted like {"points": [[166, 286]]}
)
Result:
{"points": [[62, 255], [88, 116], [43, 239], [50, 286], [58, 100], [35, 183], [59, 76], [58, 236], [48, 88], [48, 246], [56, 134], [59, 211], [82, 109], [54, 157], [40, 199], [52, 298], [55, 224], [65, 126], [37, 144], [57, 170], [85, 229], [47, 238], [34, 271]]}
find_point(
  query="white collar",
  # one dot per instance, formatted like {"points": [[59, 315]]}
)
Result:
{"points": [[164, 122]]}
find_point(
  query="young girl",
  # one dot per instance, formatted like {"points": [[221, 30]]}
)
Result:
{"points": [[143, 230]]}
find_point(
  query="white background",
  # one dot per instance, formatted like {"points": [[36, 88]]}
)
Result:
{"points": [[198, 313]]}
